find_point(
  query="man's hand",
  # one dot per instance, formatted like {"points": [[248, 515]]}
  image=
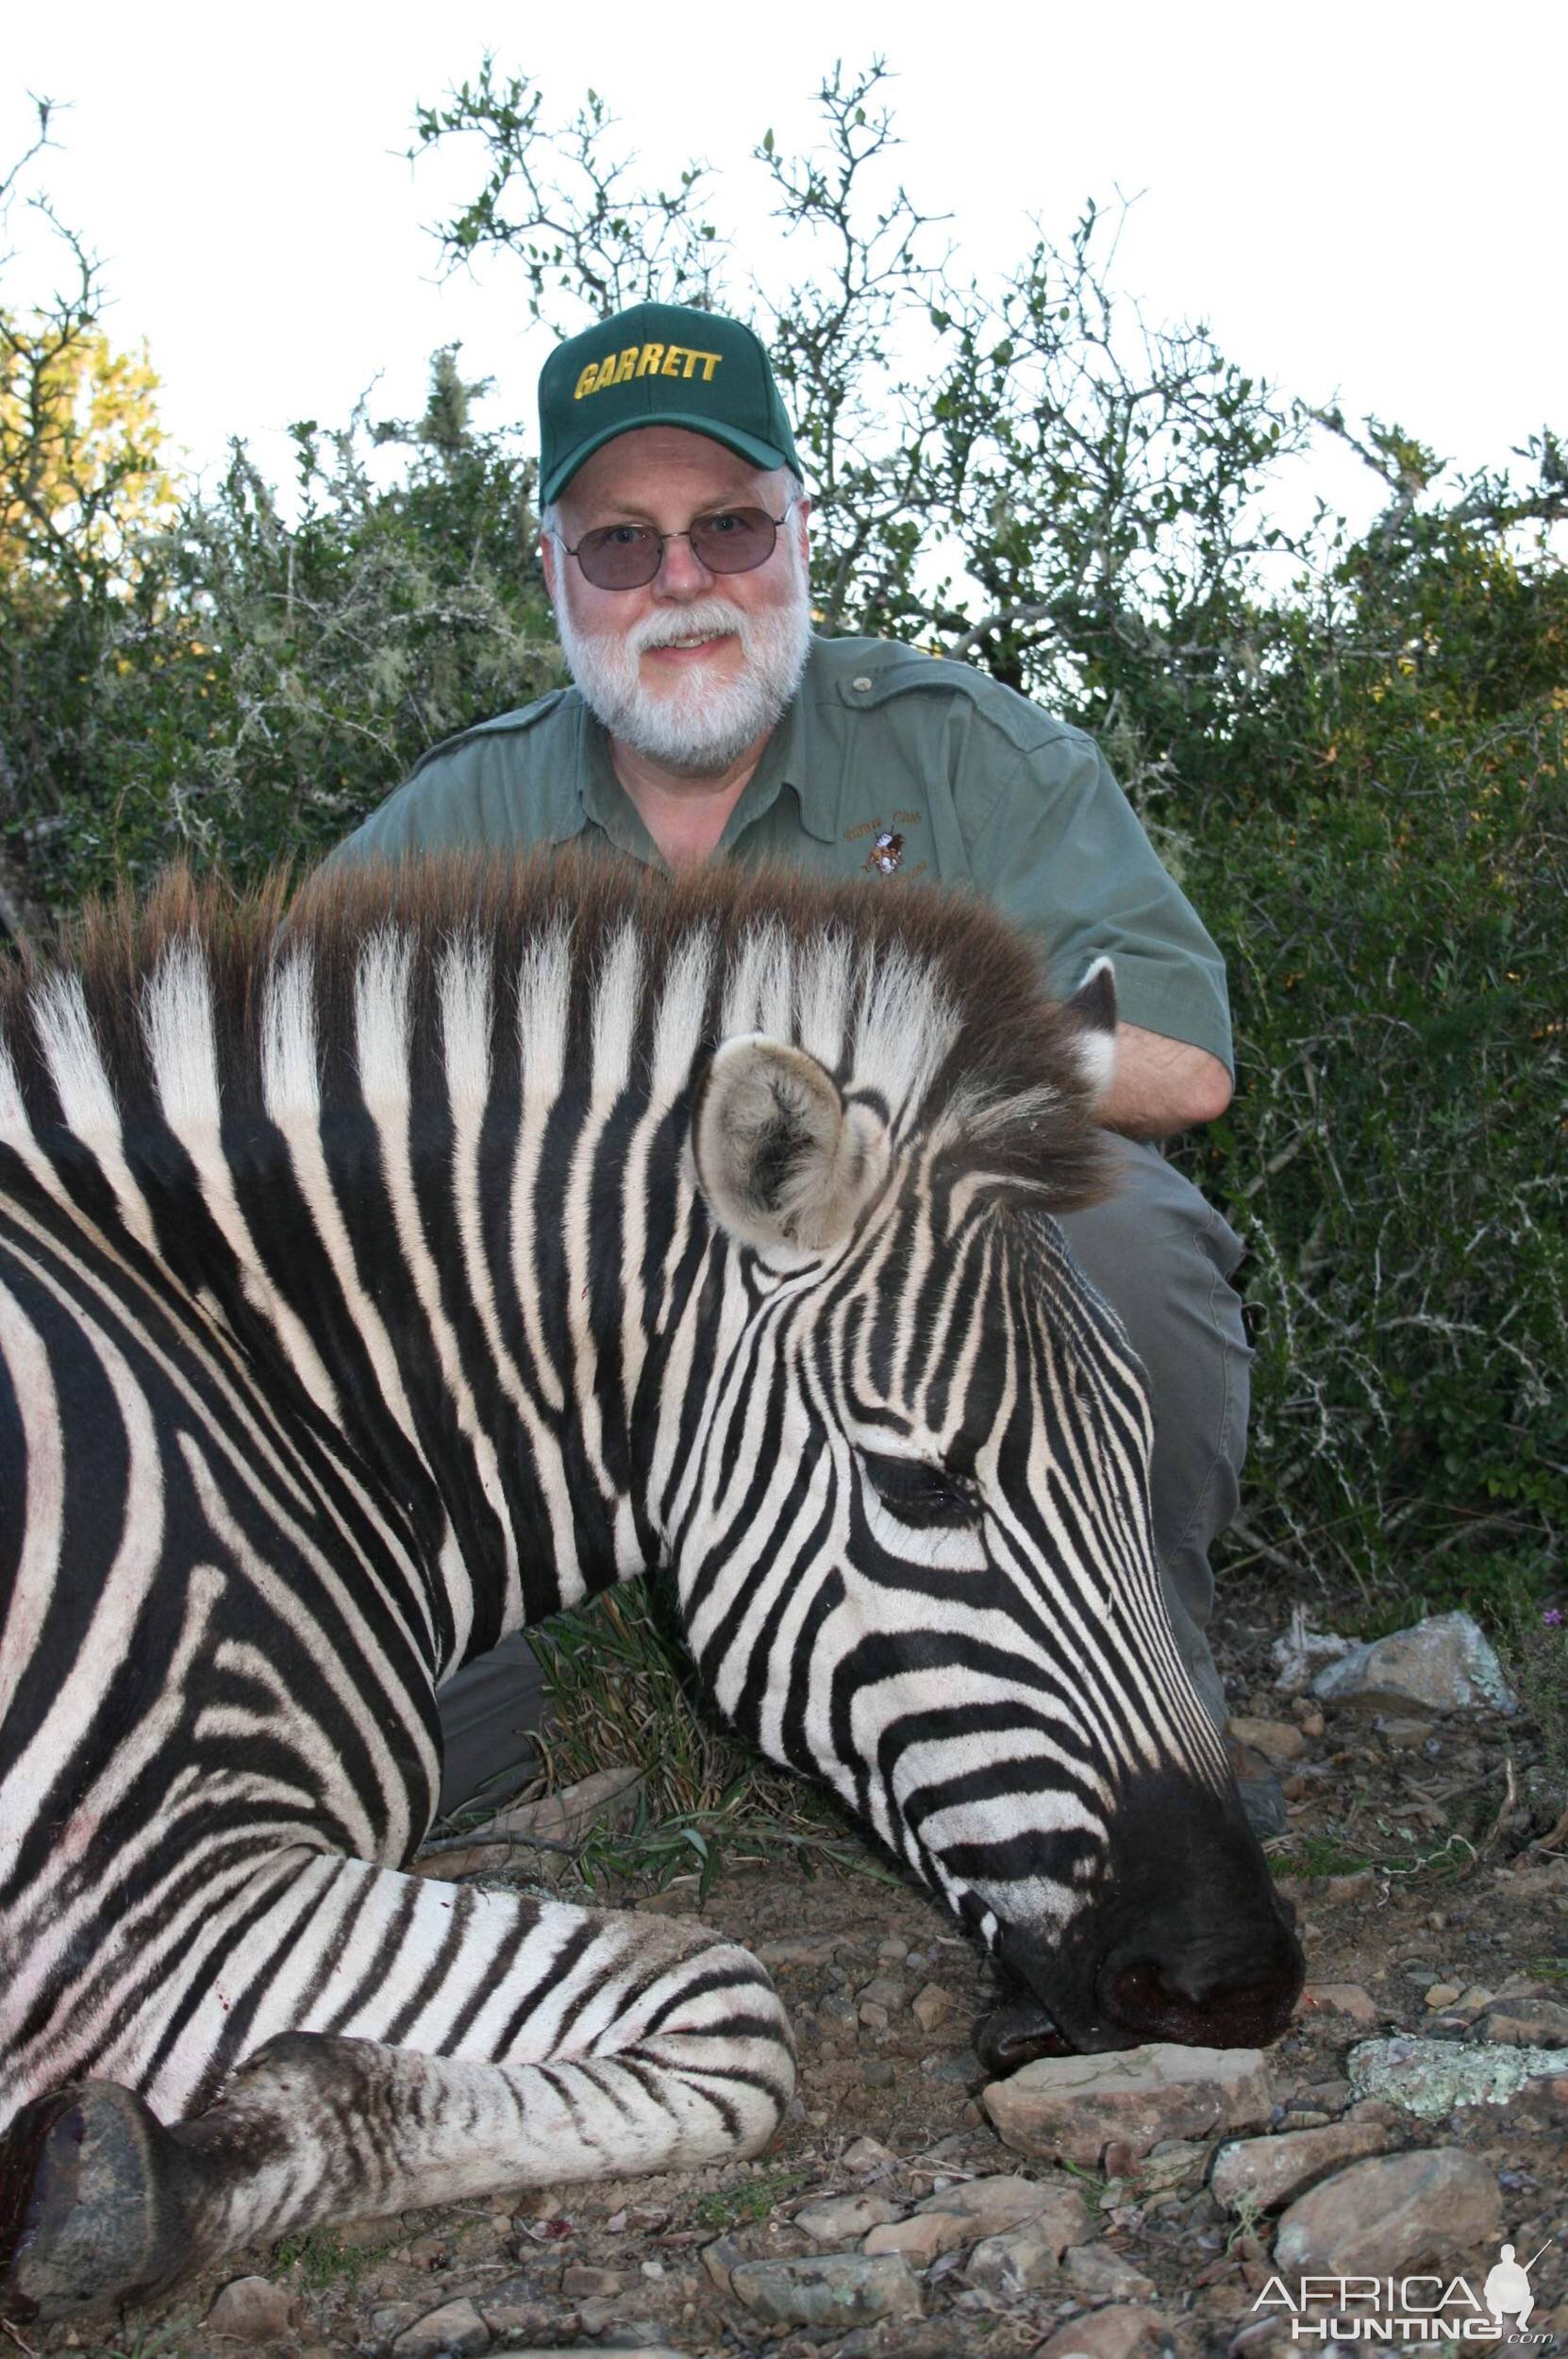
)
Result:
{"points": [[1161, 1086]]}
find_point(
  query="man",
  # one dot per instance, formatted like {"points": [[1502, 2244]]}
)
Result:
{"points": [[705, 721]]}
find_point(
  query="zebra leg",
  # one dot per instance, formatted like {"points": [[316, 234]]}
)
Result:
{"points": [[626, 2044]]}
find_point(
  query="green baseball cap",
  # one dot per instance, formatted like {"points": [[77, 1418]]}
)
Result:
{"points": [[659, 364]]}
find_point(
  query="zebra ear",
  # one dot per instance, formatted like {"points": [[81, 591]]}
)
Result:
{"points": [[1092, 1007], [782, 1158]]}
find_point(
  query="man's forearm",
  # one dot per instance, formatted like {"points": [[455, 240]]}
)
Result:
{"points": [[1161, 1086]]}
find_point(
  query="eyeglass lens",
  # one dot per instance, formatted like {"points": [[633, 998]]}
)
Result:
{"points": [[626, 557]]}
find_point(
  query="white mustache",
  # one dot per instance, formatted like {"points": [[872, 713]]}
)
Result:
{"points": [[712, 618]]}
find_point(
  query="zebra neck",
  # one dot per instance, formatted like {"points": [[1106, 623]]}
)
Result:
{"points": [[478, 1296]]}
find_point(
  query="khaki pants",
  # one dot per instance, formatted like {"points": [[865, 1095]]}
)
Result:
{"points": [[1162, 1258]]}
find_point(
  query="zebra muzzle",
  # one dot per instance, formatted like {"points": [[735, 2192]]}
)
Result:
{"points": [[1012, 2036]]}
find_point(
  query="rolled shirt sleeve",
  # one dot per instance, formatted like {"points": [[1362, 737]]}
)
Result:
{"points": [[1062, 852]]}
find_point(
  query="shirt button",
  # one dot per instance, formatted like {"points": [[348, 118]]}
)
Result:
{"points": [[862, 683]]}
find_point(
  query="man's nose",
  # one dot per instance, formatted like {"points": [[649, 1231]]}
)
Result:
{"points": [[681, 575]]}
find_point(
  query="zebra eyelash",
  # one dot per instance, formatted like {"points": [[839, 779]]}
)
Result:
{"points": [[928, 1496]]}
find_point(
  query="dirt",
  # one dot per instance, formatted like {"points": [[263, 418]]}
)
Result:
{"points": [[1446, 1814]]}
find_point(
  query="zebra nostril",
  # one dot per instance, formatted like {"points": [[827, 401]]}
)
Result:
{"points": [[1180, 2002], [1009, 2037]]}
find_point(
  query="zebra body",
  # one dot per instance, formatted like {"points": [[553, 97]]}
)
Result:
{"points": [[377, 1283]]}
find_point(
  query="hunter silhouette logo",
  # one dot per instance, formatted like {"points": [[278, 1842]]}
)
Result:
{"points": [[1507, 2291]]}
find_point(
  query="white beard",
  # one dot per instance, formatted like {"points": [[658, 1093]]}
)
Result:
{"points": [[696, 727]]}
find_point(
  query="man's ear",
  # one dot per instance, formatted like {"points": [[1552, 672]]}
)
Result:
{"points": [[549, 557], [782, 1158]]}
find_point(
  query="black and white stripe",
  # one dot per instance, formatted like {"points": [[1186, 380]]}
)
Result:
{"points": [[373, 1284]]}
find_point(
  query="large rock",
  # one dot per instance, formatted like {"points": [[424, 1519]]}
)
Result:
{"points": [[840, 2216], [834, 2289], [719, 2258], [922, 2238], [457, 2326], [1430, 2077], [995, 2205], [1525, 2023], [1071, 2108], [254, 2310], [1012, 2265], [805, 1949], [1267, 2172], [1104, 2275], [1394, 2212], [1444, 1663], [1113, 2333]]}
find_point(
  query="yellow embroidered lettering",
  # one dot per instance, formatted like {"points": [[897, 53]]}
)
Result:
{"points": [[709, 362], [587, 381], [628, 365], [672, 361], [651, 357]]}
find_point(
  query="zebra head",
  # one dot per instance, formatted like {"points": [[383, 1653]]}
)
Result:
{"points": [[915, 1544]]}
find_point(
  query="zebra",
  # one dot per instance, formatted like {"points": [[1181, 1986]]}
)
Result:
{"points": [[382, 1273]]}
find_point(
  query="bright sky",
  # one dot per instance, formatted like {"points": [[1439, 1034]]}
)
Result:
{"points": [[1359, 197]]}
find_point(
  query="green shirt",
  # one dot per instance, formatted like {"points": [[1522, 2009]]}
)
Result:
{"points": [[889, 765]]}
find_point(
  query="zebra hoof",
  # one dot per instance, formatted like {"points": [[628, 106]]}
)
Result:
{"points": [[89, 2209]]}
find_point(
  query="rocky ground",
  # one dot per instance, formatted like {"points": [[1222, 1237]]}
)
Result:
{"points": [[1165, 2209]]}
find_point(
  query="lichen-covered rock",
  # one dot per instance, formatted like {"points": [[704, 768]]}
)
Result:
{"points": [[1446, 1664], [1430, 2077]]}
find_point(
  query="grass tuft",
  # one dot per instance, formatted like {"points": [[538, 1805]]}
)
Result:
{"points": [[624, 1689], [734, 2207]]}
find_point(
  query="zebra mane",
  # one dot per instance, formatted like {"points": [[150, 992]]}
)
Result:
{"points": [[923, 1001]]}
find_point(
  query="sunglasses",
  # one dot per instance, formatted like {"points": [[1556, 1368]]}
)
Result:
{"points": [[627, 557]]}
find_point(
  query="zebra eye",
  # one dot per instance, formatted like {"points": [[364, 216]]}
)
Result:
{"points": [[923, 1495]]}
